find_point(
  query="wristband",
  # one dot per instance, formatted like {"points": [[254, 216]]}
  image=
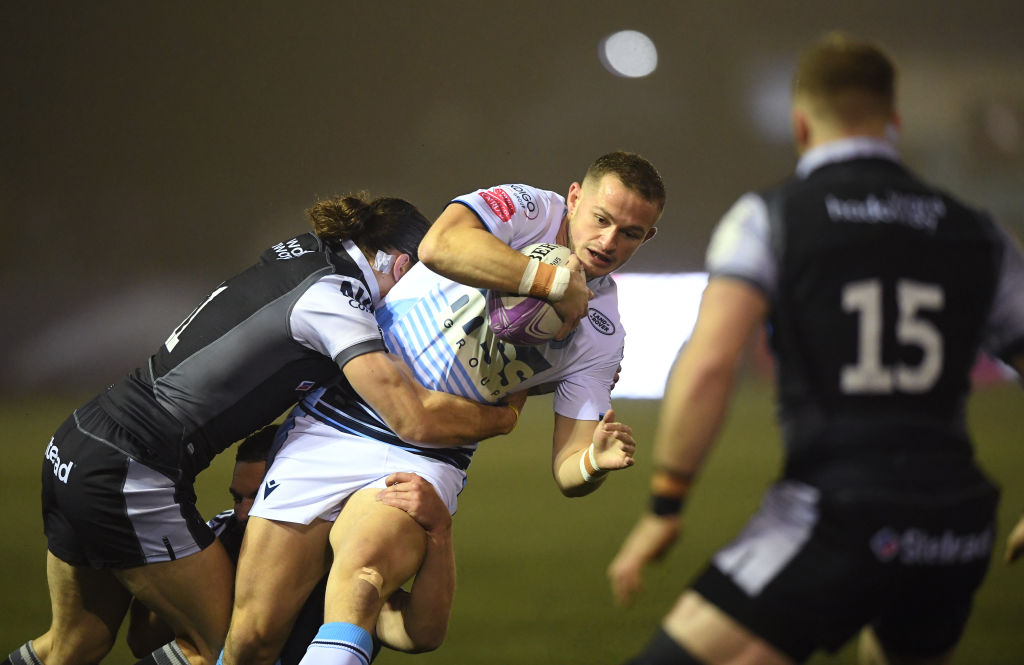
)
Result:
{"points": [[666, 505], [595, 472], [593, 460], [529, 275], [515, 411], [669, 483], [587, 478]]}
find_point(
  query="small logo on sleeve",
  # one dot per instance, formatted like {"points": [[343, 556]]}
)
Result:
{"points": [[499, 202]]}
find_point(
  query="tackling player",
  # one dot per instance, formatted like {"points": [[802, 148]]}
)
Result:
{"points": [[438, 325], [118, 505]]}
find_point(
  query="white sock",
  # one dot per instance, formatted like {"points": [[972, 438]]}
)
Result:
{"points": [[339, 644], [24, 655]]}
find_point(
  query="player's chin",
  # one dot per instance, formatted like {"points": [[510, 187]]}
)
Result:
{"points": [[594, 270]]}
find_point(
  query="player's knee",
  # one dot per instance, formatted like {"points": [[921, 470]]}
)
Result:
{"points": [[253, 642], [427, 636], [663, 650]]}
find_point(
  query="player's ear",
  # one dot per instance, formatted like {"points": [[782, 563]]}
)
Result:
{"points": [[402, 264], [572, 200], [651, 232]]}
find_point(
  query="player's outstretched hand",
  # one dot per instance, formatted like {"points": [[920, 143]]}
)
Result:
{"points": [[417, 497], [613, 443], [652, 536], [576, 300], [1015, 543]]}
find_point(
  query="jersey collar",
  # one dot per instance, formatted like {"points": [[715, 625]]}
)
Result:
{"points": [[859, 147], [368, 277]]}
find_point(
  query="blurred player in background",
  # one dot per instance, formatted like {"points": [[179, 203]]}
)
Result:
{"points": [[118, 503], [879, 291], [439, 327]]}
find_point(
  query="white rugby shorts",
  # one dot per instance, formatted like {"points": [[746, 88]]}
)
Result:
{"points": [[318, 467]]}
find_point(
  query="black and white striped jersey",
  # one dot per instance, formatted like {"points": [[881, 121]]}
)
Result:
{"points": [[257, 344]]}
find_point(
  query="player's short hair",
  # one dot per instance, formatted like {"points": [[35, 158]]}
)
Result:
{"points": [[380, 224], [846, 77], [256, 446], [634, 171]]}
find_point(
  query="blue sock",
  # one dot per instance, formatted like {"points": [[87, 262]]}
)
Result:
{"points": [[339, 644]]}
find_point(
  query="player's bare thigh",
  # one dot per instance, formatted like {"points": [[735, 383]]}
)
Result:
{"points": [[376, 549], [192, 595], [88, 606], [279, 565], [714, 637]]}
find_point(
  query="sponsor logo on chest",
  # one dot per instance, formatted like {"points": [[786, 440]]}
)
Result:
{"points": [[601, 323]]}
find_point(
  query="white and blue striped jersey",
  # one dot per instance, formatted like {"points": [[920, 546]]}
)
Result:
{"points": [[439, 328]]}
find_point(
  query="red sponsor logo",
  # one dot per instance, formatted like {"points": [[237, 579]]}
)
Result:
{"points": [[499, 202]]}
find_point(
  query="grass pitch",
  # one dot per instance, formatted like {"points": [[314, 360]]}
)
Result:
{"points": [[531, 583]]}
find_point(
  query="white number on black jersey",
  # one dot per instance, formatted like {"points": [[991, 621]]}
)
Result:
{"points": [[869, 375], [172, 341]]}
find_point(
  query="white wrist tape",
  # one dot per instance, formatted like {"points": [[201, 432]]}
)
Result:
{"points": [[526, 283], [562, 275], [593, 460], [583, 470]]}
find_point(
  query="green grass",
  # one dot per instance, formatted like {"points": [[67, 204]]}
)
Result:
{"points": [[531, 585]]}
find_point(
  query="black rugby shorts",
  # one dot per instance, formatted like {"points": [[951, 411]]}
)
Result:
{"points": [[103, 509]]}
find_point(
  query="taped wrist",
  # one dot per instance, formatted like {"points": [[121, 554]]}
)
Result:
{"points": [[544, 281], [589, 469], [668, 491]]}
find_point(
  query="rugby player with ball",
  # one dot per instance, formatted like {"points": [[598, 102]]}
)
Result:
{"points": [[439, 325]]}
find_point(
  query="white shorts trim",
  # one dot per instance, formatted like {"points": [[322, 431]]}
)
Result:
{"points": [[156, 515], [772, 537], [318, 467]]}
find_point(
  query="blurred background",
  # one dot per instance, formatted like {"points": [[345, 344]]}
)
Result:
{"points": [[150, 150]]}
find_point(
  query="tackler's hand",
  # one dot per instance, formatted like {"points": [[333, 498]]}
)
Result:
{"points": [[416, 496]]}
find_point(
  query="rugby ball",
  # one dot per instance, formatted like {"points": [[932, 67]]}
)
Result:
{"points": [[524, 319]]}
